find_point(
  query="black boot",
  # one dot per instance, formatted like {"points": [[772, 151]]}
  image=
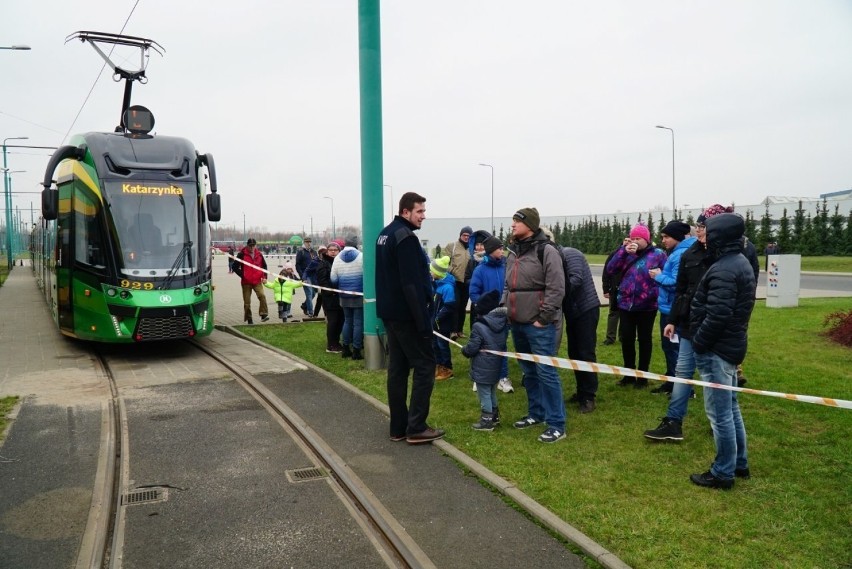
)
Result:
{"points": [[356, 354], [346, 353], [496, 414], [486, 422]]}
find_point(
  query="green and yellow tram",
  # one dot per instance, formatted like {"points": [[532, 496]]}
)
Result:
{"points": [[123, 252]]}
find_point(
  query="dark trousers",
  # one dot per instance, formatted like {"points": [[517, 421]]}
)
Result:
{"points": [[462, 297], [670, 349], [612, 319], [408, 349], [333, 326], [581, 333], [637, 324]]}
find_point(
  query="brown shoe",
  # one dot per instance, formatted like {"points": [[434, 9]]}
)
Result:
{"points": [[426, 436], [443, 373]]}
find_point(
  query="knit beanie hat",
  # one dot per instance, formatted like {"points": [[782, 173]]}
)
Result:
{"points": [[676, 229], [491, 244], [439, 267], [488, 302], [529, 217], [714, 209], [466, 229], [640, 230], [340, 243]]}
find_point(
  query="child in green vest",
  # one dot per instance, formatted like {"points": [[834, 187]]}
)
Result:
{"points": [[283, 287]]}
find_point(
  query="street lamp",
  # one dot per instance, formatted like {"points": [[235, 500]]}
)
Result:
{"points": [[333, 230], [492, 194], [8, 197], [673, 168], [393, 213]]}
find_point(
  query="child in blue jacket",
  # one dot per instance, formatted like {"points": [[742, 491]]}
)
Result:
{"points": [[443, 315], [488, 332]]}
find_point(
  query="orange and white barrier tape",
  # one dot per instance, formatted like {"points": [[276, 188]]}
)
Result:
{"points": [[579, 365], [318, 287]]}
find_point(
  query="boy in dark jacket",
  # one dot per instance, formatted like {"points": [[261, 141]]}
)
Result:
{"points": [[443, 315], [719, 316], [489, 332]]}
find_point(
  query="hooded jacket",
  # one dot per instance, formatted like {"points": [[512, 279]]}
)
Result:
{"points": [[637, 291], [489, 332], [283, 289], [534, 289], [722, 305], [444, 304], [347, 273], [490, 274], [667, 279]]}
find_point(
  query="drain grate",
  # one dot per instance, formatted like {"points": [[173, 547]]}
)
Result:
{"points": [[144, 496], [305, 474]]}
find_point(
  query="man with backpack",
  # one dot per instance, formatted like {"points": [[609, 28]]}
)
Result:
{"points": [[535, 287]]}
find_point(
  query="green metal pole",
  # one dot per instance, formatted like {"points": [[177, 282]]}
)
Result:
{"points": [[372, 187]]}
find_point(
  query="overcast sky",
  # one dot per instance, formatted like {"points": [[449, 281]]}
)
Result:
{"points": [[561, 97]]}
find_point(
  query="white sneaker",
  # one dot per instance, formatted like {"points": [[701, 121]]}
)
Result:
{"points": [[474, 387], [505, 385]]}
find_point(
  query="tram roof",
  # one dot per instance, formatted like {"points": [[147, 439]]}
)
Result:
{"points": [[117, 150]]}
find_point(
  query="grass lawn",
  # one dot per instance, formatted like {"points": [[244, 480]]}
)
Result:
{"points": [[6, 405], [633, 496]]}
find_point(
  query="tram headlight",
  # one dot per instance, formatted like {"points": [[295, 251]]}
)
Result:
{"points": [[124, 294], [111, 292], [197, 291], [205, 288]]}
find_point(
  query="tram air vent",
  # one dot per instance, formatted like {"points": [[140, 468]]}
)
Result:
{"points": [[305, 474]]}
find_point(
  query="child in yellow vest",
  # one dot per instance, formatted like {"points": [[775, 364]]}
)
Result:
{"points": [[283, 288]]}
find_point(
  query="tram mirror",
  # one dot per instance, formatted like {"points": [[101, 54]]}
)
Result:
{"points": [[49, 203], [214, 210]]}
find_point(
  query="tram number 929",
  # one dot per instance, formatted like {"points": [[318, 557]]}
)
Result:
{"points": [[136, 285]]}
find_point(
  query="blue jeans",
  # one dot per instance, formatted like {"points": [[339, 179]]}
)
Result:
{"points": [[544, 389], [309, 293], [487, 393], [670, 349], [681, 392], [443, 356], [353, 327], [723, 410]]}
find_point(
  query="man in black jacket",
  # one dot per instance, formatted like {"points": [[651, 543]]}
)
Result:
{"points": [[582, 309], [719, 316], [403, 302], [610, 290]]}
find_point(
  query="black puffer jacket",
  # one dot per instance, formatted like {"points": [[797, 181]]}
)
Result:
{"points": [[693, 265], [724, 299]]}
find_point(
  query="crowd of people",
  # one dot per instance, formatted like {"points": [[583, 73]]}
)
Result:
{"points": [[702, 286]]}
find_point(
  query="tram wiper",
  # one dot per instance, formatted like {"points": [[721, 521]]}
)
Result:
{"points": [[184, 252]]}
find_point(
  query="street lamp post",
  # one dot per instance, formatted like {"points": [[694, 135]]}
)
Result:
{"points": [[333, 230], [8, 201], [674, 212], [492, 194]]}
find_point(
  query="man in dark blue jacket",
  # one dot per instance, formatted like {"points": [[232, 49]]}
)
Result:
{"points": [[403, 302], [719, 316]]}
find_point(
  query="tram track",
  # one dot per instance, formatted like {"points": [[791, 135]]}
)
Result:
{"points": [[104, 538], [393, 543]]}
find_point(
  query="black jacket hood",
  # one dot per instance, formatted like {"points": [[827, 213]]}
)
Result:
{"points": [[725, 234]]}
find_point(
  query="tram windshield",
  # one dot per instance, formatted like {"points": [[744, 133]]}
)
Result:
{"points": [[157, 227]]}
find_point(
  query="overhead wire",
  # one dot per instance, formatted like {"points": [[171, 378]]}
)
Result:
{"points": [[91, 90]]}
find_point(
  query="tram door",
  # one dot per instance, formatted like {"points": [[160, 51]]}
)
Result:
{"points": [[64, 259]]}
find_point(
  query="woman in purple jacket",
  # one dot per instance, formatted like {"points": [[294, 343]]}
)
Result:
{"points": [[637, 298]]}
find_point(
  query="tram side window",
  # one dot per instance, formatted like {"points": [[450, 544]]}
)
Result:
{"points": [[88, 238]]}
